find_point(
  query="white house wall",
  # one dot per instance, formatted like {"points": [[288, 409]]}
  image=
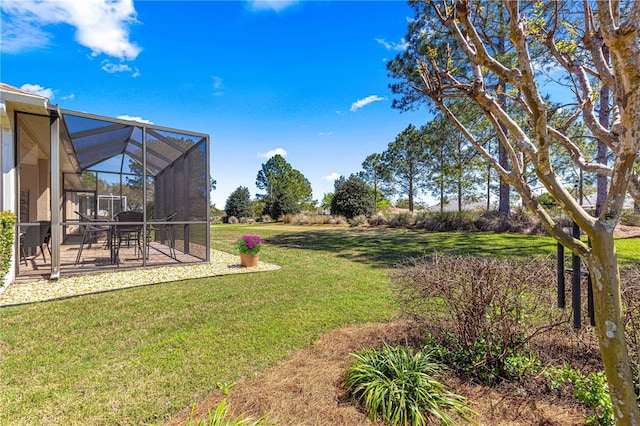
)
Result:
{"points": [[13, 100]]}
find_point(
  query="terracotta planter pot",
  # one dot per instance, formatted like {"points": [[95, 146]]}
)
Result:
{"points": [[248, 260]]}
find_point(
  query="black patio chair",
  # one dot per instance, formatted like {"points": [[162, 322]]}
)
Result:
{"points": [[167, 230], [92, 229], [33, 238], [128, 232], [45, 237]]}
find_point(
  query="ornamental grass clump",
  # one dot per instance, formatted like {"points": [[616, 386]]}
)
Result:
{"points": [[400, 385], [249, 244], [222, 417]]}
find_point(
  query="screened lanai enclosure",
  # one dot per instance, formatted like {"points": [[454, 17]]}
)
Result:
{"points": [[108, 193]]}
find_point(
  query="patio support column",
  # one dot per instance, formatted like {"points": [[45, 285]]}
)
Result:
{"points": [[186, 184], [144, 196], [55, 195], [208, 225]]}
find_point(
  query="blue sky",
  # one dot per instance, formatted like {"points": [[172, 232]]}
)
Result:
{"points": [[305, 79]]}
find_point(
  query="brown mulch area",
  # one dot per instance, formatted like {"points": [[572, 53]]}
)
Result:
{"points": [[305, 390]]}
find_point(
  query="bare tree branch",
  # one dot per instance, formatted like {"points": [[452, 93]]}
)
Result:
{"points": [[595, 44], [577, 156], [633, 17]]}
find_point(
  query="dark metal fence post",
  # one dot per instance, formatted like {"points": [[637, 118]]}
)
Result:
{"points": [[575, 283], [561, 284]]}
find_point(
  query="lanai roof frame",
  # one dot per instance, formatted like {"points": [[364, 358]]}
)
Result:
{"points": [[93, 139]]}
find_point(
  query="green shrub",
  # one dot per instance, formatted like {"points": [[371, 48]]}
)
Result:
{"points": [[485, 359], [400, 385], [547, 200], [591, 390], [239, 203], [7, 224], [352, 197]]}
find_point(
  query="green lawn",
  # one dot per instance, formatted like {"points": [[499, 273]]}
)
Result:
{"points": [[136, 356]]}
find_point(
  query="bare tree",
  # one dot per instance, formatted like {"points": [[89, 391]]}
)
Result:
{"points": [[579, 50]]}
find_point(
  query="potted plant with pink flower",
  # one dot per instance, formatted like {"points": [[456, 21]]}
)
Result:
{"points": [[249, 247]]}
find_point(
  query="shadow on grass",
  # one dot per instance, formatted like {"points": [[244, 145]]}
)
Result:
{"points": [[385, 247]]}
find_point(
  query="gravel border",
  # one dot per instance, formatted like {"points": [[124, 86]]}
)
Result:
{"points": [[44, 290]]}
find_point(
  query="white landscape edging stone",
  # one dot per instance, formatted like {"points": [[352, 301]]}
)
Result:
{"points": [[43, 290]]}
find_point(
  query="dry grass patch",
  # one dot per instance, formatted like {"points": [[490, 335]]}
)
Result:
{"points": [[305, 390]]}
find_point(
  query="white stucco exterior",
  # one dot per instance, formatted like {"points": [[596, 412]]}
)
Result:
{"points": [[13, 100]]}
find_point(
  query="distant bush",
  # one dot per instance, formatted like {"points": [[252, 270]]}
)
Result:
{"points": [[337, 220], [448, 221], [402, 219], [547, 200], [629, 217], [377, 220], [358, 220], [265, 218], [313, 219], [519, 221]]}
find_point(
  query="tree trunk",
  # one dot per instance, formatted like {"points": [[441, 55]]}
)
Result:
{"points": [[411, 195], [375, 195], [459, 194], [610, 328], [488, 187], [503, 158], [441, 196], [441, 180]]}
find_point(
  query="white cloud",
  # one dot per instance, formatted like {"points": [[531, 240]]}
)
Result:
{"points": [[38, 90], [113, 68], [325, 133], [271, 153], [101, 25], [138, 119], [18, 35], [364, 102], [332, 177], [217, 86], [275, 5], [392, 45], [69, 97]]}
